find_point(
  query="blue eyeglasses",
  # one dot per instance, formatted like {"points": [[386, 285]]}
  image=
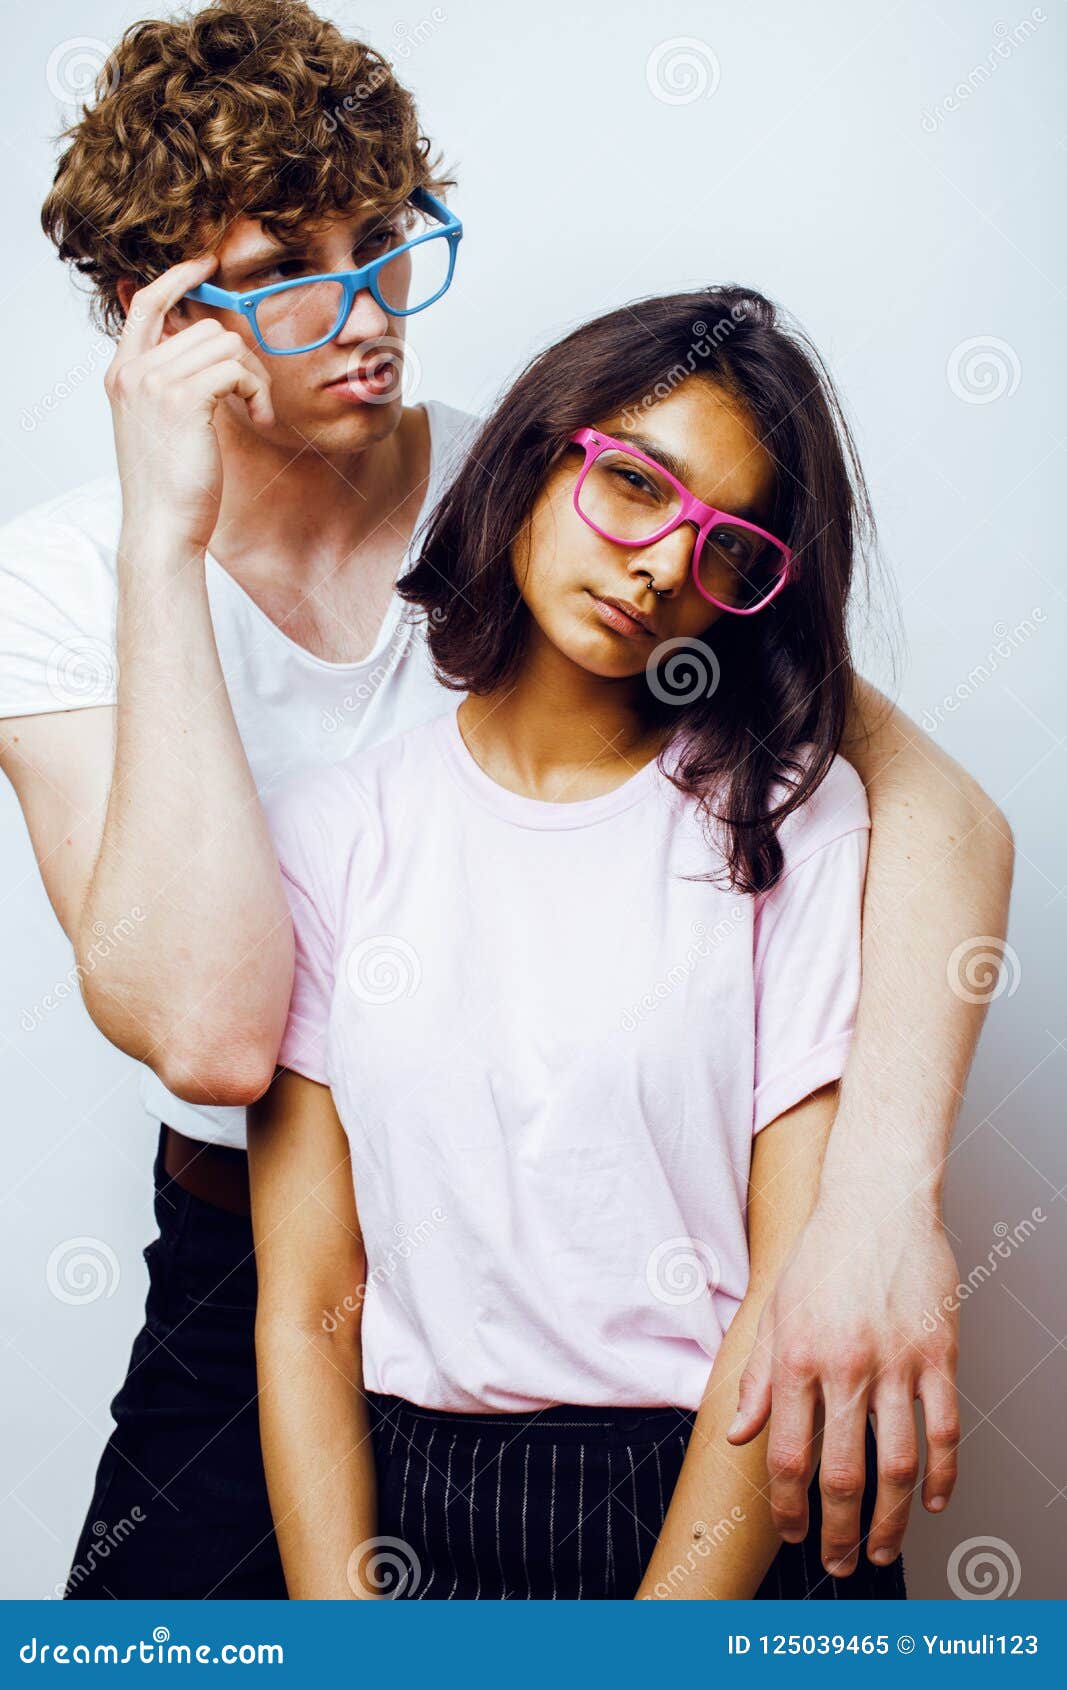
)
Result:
{"points": [[299, 315]]}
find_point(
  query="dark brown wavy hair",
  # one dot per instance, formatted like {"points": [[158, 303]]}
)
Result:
{"points": [[779, 708], [247, 107]]}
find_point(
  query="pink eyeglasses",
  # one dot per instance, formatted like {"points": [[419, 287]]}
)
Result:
{"points": [[631, 500]]}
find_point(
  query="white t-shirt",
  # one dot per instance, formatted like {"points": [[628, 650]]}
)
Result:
{"points": [[294, 711], [550, 1046]]}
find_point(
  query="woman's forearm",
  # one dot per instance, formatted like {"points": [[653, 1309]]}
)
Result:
{"points": [[717, 1539], [317, 1457]]}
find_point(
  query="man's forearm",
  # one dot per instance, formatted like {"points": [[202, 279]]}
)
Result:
{"points": [[938, 881], [198, 985]]}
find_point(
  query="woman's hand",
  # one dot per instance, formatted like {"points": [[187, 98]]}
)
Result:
{"points": [[862, 1318]]}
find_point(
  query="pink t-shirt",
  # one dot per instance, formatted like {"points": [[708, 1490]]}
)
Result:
{"points": [[550, 1050]]}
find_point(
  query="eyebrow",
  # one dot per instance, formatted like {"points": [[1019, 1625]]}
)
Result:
{"points": [[295, 244], [680, 470]]}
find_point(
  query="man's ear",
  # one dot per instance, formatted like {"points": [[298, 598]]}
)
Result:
{"points": [[127, 286]]}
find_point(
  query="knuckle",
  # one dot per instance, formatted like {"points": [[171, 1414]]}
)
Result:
{"points": [[788, 1465], [841, 1484], [943, 1429], [899, 1469]]}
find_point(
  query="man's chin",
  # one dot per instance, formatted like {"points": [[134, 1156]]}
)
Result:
{"points": [[358, 425]]}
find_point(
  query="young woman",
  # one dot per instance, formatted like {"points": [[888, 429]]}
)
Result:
{"points": [[577, 965]]}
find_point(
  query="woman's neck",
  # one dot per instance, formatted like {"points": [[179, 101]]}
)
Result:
{"points": [[559, 733]]}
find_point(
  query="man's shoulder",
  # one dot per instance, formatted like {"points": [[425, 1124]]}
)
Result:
{"points": [[90, 514]]}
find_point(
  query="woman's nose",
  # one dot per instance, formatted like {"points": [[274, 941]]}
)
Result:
{"points": [[668, 562]]}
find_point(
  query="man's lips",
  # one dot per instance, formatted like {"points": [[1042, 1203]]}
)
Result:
{"points": [[623, 617], [377, 376]]}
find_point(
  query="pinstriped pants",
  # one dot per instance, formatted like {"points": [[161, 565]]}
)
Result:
{"points": [[565, 1504]]}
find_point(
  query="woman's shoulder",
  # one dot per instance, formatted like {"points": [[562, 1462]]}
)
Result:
{"points": [[836, 807], [360, 786]]}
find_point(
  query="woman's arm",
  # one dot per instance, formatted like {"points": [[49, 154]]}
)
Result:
{"points": [[719, 1538], [312, 1268], [873, 1271]]}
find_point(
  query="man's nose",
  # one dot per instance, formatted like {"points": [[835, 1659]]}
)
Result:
{"points": [[365, 321]]}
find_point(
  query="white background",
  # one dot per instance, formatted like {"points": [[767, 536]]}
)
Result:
{"points": [[807, 150]]}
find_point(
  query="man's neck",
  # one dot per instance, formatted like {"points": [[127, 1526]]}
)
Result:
{"points": [[287, 510]]}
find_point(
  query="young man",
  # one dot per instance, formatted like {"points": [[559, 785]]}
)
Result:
{"points": [[221, 615]]}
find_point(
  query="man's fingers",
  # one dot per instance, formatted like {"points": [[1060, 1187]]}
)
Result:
{"points": [[235, 376], [898, 1472], [791, 1457], [937, 1393], [753, 1397], [149, 305], [841, 1477]]}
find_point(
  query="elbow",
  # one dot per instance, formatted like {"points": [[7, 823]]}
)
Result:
{"points": [[235, 1077]]}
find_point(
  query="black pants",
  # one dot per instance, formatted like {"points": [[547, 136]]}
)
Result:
{"points": [[180, 1508], [180, 1504], [563, 1504]]}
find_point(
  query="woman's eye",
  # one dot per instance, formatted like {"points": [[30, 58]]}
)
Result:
{"points": [[634, 480]]}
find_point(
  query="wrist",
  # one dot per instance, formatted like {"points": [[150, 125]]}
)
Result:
{"points": [[148, 549]]}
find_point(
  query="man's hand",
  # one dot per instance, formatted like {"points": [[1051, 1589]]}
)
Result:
{"points": [[862, 1319], [164, 387]]}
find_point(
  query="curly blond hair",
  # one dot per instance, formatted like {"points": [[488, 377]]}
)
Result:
{"points": [[248, 107]]}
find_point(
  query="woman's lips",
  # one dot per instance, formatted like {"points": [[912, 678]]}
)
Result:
{"points": [[623, 621]]}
